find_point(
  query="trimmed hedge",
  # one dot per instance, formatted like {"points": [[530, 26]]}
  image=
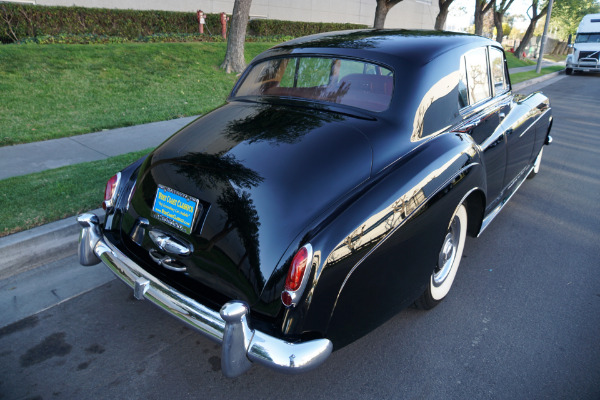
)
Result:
{"points": [[86, 38], [268, 27], [19, 21], [53, 24]]}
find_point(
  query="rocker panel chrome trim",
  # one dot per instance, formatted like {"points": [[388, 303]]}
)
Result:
{"points": [[492, 214]]}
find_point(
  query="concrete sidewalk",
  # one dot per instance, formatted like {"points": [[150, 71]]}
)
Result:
{"points": [[23, 159], [30, 249]]}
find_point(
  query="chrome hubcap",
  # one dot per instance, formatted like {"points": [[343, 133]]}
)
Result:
{"points": [[448, 253]]}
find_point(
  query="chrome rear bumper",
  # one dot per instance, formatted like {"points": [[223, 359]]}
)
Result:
{"points": [[241, 345]]}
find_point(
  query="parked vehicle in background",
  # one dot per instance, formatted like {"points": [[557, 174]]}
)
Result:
{"points": [[586, 49], [335, 187]]}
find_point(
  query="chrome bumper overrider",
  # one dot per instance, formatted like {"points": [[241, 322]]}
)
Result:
{"points": [[241, 345]]}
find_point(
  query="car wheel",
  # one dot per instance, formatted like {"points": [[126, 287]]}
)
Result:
{"points": [[569, 71], [449, 258], [536, 165]]}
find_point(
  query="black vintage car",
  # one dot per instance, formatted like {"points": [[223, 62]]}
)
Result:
{"points": [[335, 187]]}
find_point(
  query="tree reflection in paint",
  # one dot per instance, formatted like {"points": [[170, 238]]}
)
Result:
{"points": [[211, 170], [241, 215], [272, 125]]}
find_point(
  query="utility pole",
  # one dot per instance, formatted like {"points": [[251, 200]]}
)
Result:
{"points": [[544, 38]]}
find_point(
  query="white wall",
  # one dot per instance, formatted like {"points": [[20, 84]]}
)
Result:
{"points": [[409, 14]]}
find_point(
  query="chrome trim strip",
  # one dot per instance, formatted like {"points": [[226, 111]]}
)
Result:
{"points": [[535, 122], [231, 326]]}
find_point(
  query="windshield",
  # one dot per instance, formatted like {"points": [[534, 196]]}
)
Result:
{"points": [[588, 38], [333, 80]]}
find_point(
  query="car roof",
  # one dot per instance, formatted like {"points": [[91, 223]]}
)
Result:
{"points": [[416, 46]]}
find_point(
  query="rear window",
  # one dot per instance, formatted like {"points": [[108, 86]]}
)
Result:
{"points": [[349, 82]]}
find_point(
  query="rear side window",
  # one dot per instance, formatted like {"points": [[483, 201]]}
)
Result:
{"points": [[498, 71], [463, 94], [478, 81], [483, 74]]}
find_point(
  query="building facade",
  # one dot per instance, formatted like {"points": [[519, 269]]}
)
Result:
{"points": [[408, 14]]}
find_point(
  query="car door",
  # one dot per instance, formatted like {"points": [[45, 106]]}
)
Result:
{"points": [[518, 128], [485, 100]]}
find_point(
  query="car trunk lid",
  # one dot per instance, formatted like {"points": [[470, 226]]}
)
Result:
{"points": [[242, 183]]}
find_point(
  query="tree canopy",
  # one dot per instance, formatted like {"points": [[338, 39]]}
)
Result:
{"points": [[567, 14]]}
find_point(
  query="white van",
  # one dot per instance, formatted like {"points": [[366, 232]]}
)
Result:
{"points": [[586, 49]]}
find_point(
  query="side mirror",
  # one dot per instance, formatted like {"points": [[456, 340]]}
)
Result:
{"points": [[569, 41]]}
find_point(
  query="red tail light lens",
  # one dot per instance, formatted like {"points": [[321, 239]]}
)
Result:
{"points": [[297, 276], [110, 192], [297, 270]]}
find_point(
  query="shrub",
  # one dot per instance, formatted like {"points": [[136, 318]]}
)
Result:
{"points": [[268, 27], [43, 24], [18, 21], [86, 38]]}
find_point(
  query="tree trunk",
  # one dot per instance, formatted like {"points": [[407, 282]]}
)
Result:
{"points": [[498, 16], [530, 29], [560, 48], [440, 20], [526, 38], [234, 57], [499, 12], [481, 7], [478, 17], [227, 229], [380, 14]]}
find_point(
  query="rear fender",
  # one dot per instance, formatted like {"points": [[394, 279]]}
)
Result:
{"points": [[377, 252], [112, 218]]}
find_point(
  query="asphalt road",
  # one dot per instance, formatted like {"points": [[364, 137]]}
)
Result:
{"points": [[522, 320]]}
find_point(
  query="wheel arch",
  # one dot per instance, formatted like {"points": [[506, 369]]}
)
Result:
{"points": [[474, 201]]}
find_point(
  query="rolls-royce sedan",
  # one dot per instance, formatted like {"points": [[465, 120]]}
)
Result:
{"points": [[335, 187]]}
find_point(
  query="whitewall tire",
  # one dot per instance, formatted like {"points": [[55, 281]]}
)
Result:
{"points": [[449, 258]]}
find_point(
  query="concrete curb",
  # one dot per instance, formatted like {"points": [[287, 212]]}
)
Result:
{"points": [[30, 249]]}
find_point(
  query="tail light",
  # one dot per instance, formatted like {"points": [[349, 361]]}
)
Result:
{"points": [[297, 276], [110, 193]]}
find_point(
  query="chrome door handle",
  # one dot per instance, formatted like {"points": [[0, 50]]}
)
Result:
{"points": [[468, 126]]}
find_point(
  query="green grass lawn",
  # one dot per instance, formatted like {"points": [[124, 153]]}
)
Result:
{"points": [[555, 57], [52, 91], [47, 196], [514, 62], [523, 76]]}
